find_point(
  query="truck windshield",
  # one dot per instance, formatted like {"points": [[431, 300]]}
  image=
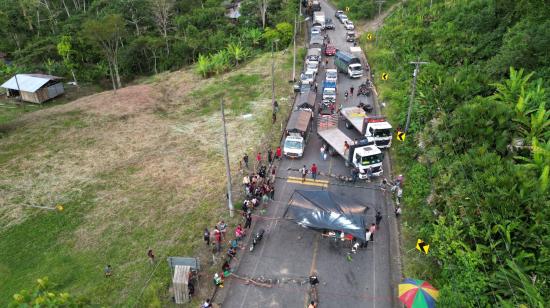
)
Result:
{"points": [[356, 68], [292, 144], [382, 133], [373, 159]]}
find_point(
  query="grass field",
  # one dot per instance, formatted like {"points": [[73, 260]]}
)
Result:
{"points": [[142, 168]]}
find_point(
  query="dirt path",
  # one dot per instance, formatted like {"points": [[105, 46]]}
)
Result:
{"points": [[373, 24]]}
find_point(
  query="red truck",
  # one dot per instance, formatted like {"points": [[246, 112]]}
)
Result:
{"points": [[330, 50]]}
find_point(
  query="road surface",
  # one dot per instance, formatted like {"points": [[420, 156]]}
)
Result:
{"points": [[288, 253]]}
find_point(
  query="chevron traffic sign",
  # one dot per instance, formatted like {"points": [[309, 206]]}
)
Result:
{"points": [[401, 136], [422, 246], [385, 76]]}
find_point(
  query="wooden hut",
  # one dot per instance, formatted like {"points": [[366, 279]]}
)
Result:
{"points": [[34, 88]]}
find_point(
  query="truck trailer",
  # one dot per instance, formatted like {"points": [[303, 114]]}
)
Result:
{"points": [[362, 155]]}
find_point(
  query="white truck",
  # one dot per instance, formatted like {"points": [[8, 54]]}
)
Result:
{"points": [[363, 154], [297, 131], [319, 18], [374, 128]]}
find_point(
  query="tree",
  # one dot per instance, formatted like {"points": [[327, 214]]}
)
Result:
{"points": [[262, 5], [64, 48], [107, 33], [254, 35], [162, 10]]}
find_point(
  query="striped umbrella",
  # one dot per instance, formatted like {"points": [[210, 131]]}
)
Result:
{"points": [[416, 293]]}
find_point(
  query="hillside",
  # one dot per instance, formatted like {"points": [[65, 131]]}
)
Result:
{"points": [[137, 169], [477, 155]]}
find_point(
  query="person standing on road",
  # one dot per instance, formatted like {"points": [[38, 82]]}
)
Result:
{"points": [[245, 160], [369, 174], [304, 171], [354, 174], [278, 153], [248, 218], [326, 62], [378, 218], [346, 95], [346, 147], [314, 172], [322, 152], [372, 230], [351, 91]]}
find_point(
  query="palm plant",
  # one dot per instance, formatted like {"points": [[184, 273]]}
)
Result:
{"points": [[219, 61], [255, 36], [237, 52], [203, 65]]}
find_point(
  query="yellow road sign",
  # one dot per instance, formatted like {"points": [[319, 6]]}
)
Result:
{"points": [[385, 76], [370, 37], [308, 181], [401, 136], [422, 246], [59, 207]]}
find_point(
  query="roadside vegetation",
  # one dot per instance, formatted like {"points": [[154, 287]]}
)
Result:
{"points": [[360, 9], [113, 42], [477, 156]]}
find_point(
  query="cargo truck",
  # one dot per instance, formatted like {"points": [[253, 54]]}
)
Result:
{"points": [[319, 18], [297, 131], [329, 90], [348, 64], [374, 128], [363, 154]]}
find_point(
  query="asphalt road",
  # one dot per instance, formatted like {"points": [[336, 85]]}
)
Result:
{"points": [[289, 253]]}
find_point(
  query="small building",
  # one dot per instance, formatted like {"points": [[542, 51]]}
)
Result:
{"points": [[232, 9], [34, 88]]}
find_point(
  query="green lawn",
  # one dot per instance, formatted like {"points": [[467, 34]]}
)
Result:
{"points": [[129, 180]]}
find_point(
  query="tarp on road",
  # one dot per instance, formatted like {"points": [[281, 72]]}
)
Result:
{"points": [[323, 210]]}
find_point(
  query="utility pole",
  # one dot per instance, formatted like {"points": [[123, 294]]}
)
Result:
{"points": [[273, 74], [380, 2], [294, 49], [227, 166], [415, 75]]}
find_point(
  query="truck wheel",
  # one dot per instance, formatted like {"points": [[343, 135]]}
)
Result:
{"points": [[331, 152], [348, 125]]}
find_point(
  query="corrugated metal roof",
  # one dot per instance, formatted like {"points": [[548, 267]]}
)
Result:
{"points": [[28, 82]]}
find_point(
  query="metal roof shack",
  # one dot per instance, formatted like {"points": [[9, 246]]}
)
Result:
{"points": [[34, 88]]}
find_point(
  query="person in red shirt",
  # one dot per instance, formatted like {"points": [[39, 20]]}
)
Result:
{"points": [[314, 172], [278, 152], [259, 159]]}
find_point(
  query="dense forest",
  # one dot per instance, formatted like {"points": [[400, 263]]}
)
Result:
{"points": [[477, 155], [92, 40]]}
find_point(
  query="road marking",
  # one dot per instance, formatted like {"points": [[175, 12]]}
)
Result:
{"points": [[307, 183], [313, 267], [307, 180]]}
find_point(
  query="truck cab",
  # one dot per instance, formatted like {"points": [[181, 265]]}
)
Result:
{"points": [[379, 130], [297, 131], [294, 145], [368, 156]]}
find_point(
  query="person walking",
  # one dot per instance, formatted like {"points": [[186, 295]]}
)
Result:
{"points": [[351, 91], [314, 172], [369, 174], [276, 106], [206, 304], [274, 117], [245, 160], [273, 173], [151, 256], [322, 152], [346, 95], [304, 171], [270, 156], [222, 226], [206, 236], [248, 219], [378, 218], [278, 153], [397, 211], [372, 230], [354, 174], [315, 86], [326, 62]]}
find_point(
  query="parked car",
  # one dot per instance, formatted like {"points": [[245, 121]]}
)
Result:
{"points": [[348, 25], [330, 50], [329, 24], [312, 66], [338, 13], [350, 36], [331, 75], [315, 31], [307, 77], [305, 88], [343, 18]]}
